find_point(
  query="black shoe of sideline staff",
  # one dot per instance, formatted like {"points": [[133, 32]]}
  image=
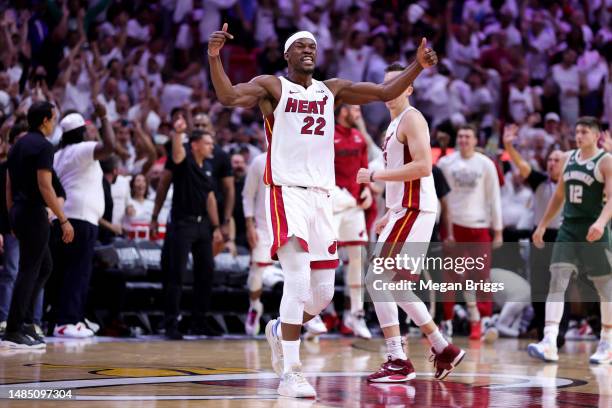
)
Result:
{"points": [[173, 333], [33, 331], [205, 329], [20, 340]]}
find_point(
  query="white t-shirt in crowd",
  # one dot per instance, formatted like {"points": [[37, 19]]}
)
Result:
{"points": [[142, 212], [120, 191], [137, 31], [353, 63], [474, 200], [81, 177], [520, 103]]}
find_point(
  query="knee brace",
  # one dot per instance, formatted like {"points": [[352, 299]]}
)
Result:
{"points": [[255, 279], [560, 275], [416, 309], [321, 289], [296, 289], [386, 313], [604, 288]]}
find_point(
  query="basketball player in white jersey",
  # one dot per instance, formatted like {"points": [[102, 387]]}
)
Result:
{"points": [[299, 119], [412, 205], [254, 205]]}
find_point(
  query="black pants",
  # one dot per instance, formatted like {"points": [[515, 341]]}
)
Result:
{"points": [[183, 237], [73, 265], [540, 282], [31, 226]]}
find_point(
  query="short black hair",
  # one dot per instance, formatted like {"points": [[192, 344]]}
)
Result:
{"points": [[198, 134], [17, 129], [178, 109], [38, 112], [76, 135], [394, 67], [590, 122], [110, 164]]}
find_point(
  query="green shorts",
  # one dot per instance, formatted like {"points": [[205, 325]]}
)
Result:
{"points": [[571, 247]]}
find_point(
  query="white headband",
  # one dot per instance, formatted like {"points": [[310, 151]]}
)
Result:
{"points": [[297, 36]]}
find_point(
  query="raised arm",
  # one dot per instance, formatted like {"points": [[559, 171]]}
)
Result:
{"points": [[106, 147], [245, 95], [178, 150], [553, 208], [510, 133], [413, 132], [359, 93]]}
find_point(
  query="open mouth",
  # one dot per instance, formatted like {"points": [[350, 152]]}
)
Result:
{"points": [[307, 60]]}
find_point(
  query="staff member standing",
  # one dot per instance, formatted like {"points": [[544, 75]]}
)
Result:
{"points": [[195, 224], [78, 168], [29, 190]]}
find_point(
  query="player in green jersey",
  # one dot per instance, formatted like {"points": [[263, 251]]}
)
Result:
{"points": [[583, 242]]}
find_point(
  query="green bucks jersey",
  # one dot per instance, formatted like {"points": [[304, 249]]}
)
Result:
{"points": [[584, 187]]}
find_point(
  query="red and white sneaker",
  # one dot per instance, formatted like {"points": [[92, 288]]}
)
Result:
{"points": [[475, 330], [251, 325], [447, 360], [74, 331], [393, 371]]}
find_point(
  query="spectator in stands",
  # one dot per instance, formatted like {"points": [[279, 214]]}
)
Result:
{"points": [[139, 210], [78, 168], [567, 77]]}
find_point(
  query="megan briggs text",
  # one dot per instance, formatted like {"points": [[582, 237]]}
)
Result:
{"points": [[468, 284]]}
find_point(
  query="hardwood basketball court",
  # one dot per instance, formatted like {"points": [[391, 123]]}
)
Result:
{"points": [[236, 372]]}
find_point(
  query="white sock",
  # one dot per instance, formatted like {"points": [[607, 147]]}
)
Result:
{"points": [[256, 304], [473, 313], [437, 341], [395, 349], [606, 334], [291, 354], [356, 301], [551, 331]]}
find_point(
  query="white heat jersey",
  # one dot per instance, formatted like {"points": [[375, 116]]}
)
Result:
{"points": [[300, 136], [416, 194]]}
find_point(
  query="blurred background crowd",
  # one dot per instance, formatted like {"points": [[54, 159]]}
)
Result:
{"points": [[539, 64]]}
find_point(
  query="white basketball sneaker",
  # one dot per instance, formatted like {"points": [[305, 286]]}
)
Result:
{"points": [[314, 327], [293, 384], [251, 325], [73, 331], [603, 355], [356, 322], [276, 347], [544, 350]]}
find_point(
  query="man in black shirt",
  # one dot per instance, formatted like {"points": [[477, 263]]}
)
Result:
{"points": [[29, 190], [194, 216], [543, 185]]}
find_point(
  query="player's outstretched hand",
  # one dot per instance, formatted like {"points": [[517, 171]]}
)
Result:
{"points": [[425, 56], [217, 39], [363, 176], [538, 237], [595, 232]]}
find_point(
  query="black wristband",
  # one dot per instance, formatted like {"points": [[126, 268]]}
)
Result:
{"points": [[64, 222], [372, 177], [215, 226]]}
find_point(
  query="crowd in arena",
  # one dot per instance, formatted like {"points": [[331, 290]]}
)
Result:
{"points": [[134, 74]]}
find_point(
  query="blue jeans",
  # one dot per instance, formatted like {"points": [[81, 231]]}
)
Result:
{"points": [[7, 279]]}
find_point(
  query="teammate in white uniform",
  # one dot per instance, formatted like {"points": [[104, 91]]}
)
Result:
{"points": [[254, 205], [299, 121], [412, 205]]}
